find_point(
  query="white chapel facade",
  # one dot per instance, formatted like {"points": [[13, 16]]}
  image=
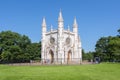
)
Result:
{"points": [[61, 46]]}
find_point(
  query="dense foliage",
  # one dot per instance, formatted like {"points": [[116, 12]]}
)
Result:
{"points": [[87, 56], [17, 48], [108, 48]]}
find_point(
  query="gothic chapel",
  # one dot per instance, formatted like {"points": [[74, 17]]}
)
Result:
{"points": [[61, 46]]}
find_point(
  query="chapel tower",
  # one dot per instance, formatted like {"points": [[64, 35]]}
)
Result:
{"points": [[44, 26], [60, 35]]}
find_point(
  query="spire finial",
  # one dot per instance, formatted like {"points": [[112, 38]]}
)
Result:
{"points": [[75, 22], [60, 18], [44, 22]]}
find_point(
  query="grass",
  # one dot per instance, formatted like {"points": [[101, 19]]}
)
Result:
{"points": [[103, 71]]}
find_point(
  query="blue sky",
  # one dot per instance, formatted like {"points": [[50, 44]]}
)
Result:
{"points": [[96, 18]]}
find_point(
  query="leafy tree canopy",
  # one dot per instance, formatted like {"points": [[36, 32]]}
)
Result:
{"points": [[108, 48], [15, 47]]}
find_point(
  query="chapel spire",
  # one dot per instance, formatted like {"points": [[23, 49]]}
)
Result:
{"points": [[60, 18], [75, 23], [44, 22], [75, 27], [60, 21]]}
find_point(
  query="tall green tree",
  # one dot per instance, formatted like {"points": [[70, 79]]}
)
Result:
{"points": [[114, 48], [34, 51], [108, 48], [13, 46], [101, 48], [88, 55]]}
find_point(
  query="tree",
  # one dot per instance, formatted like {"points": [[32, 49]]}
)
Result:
{"points": [[34, 51], [6, 56], [101, 48], [87, 56], [108, 48], [114, 48], [13, 46], [23, 42], [119, 32], [83, 54]]}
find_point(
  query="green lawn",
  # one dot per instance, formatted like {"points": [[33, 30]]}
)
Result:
{"points": [[103, 71]]}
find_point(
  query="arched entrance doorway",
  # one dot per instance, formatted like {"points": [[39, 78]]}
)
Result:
{"points": [[51, 56], [69, 56]]}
